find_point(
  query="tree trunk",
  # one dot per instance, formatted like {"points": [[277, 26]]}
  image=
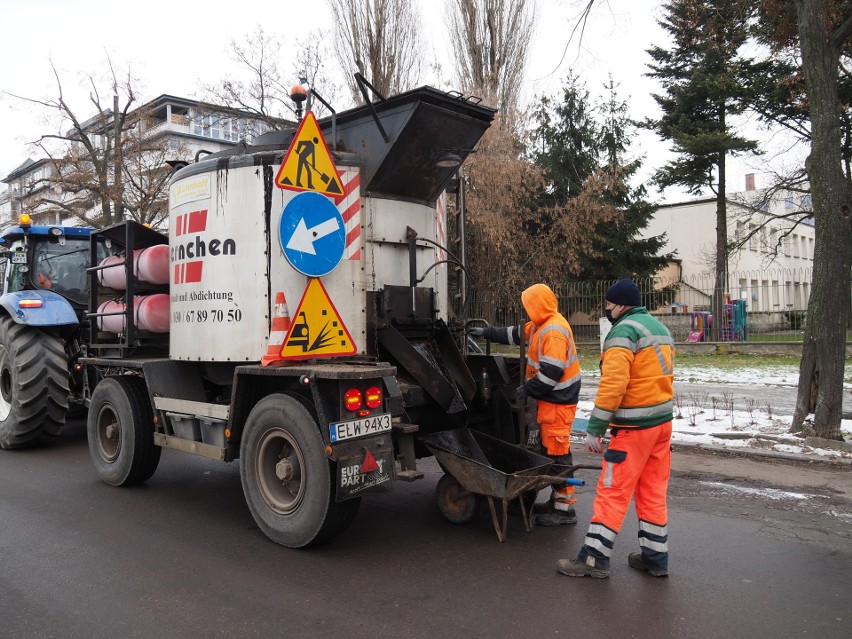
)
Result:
{"points": [[823, 354], [721, 253], [118, 204]]}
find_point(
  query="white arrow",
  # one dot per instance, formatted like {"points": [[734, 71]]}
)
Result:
{"points": [[303, 238]]}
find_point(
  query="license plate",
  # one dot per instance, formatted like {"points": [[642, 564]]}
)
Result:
{"points": [[371, 425], [19, 257]]}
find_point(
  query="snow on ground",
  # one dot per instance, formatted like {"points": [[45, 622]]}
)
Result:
{"points": [[722, 426]]}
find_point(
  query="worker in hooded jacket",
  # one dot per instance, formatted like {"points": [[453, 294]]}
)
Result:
{"points": [[553, 380], [635, 401]]}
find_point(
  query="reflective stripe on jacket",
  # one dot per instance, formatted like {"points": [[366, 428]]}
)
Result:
{"points": [[637, 374], [553, 369]]}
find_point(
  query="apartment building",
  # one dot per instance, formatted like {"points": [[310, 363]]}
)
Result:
{"points": [[190, 129], [771, 266]]}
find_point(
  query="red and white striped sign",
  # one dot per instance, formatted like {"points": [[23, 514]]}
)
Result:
{"points": [[441, 224], [350, 210]]}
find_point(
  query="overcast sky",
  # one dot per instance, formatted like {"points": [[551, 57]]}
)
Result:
{"points": [[173, 47]]}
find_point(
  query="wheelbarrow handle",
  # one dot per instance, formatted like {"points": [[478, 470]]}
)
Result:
{"points": [[540, 481], [567, 470], [544, 480]]}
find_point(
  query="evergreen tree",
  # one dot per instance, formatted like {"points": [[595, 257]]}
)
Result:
{"points": [[567, 141], [580, 147], [620, 250], [705, 79]]}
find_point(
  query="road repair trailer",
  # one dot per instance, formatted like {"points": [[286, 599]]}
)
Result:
{"points": [[307, 329]]}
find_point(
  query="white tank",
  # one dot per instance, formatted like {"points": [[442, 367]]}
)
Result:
{"points": [[228, 263]]}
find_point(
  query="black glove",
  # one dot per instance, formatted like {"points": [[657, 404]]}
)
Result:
{"points": [[476, 331], [521, 394]]}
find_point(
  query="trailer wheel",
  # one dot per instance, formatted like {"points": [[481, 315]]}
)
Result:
{"points": [[121, 431], [34, 385], [287, 477], [456, 504]]}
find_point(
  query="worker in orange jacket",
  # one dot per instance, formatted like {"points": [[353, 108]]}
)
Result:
{"points": [[634, 399], [553, 379]]}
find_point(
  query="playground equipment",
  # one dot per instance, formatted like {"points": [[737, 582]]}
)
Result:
{"points": [[734, 324]]}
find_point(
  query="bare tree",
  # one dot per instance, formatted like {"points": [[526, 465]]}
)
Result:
{"points": [[490, 40], [312, 66], [97, 163], [825, 34], [512, 241], [381, 39], [146, 172], [262, 88]]}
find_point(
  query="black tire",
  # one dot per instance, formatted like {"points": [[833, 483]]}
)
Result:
{"points": [[288, 480], [121, 431], [34, 385], [456, 504]]}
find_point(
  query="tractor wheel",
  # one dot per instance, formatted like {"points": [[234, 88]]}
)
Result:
{"points": [[121, 431], [456, 504], [34, 385], [288, 480]]}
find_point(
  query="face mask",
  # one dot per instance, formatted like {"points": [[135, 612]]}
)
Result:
{"points": [[608, 313]]}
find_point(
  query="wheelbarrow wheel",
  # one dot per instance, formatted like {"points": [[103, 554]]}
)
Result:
{"points": [[455, 503]]}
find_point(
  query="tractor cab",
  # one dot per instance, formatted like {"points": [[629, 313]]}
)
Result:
{"points": [[49, 258]]}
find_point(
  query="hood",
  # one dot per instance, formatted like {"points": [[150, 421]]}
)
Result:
{"points": [[539, 303]]}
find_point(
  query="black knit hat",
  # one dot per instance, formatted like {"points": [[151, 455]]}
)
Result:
{"points": [[624, 292]]}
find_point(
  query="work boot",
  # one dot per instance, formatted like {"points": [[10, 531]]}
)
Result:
{"points": [[576, 568], [635, 560], [555, 517], [541, 507]]}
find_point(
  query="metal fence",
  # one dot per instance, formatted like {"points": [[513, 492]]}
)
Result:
{"points": [[760, 306]]}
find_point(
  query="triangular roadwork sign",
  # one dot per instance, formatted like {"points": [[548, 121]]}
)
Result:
{"points": [[308, 165], [316, 329]]}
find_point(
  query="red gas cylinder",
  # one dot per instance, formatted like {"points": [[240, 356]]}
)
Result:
{"points": [[150, 265], [151, 314], [113, 276]]}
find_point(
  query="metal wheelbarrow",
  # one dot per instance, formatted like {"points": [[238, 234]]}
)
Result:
{"points": [[478, 464]]}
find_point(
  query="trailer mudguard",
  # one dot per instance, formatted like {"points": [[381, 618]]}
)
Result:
{"points": [[54, 310]]}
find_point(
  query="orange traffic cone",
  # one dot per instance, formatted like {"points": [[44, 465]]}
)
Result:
{"points": [[280, 328]]}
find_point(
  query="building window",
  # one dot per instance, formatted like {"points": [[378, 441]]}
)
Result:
{"points": [[811, 247], [752, 240], [806, 201], [773, 239], [794, 244], [804, 248], [788, 203]]}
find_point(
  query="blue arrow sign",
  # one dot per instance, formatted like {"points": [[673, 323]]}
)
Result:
{"points": [[312, 234]]}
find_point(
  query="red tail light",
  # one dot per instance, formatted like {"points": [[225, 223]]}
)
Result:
{"points": [[373, 397], [352, 399]]}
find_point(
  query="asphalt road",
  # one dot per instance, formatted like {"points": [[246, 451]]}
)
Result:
{"points": [[181, 557]]}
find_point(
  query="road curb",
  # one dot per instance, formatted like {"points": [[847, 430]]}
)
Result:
{"points": [[764, 454]]}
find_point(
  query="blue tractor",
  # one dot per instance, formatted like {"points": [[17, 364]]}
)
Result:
{"points": [[44, 299]]}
